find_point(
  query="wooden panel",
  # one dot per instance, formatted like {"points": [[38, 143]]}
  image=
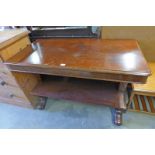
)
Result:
{"points": [[6, 76], [15, 102], [12, 91], [14, 48], [22, 54], [17, 85], [145, 35], [27, 82], [24, 84], [9, 80], [8, 37], [77, 73], [15, 96], [11, 87]]}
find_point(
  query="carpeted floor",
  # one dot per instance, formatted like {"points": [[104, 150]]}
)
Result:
{"points": [[69, 115]]}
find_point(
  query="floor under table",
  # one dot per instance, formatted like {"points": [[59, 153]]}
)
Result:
{"points": [[66, 114]]}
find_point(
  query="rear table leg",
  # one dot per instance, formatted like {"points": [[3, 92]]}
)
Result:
{"points": [[42, 103]]}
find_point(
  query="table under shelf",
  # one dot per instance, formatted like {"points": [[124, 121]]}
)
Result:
{"points": [[95, 70], [82, 90]]}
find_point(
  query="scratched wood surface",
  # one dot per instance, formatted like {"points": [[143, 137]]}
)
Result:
{"points": [[113, 60]]}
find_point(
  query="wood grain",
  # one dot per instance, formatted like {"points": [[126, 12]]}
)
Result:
{"points": [[17, 87], [11, 50], [115, 60]]}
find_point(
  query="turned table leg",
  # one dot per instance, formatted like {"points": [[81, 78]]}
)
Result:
{"points": [[118, 112], [131, 95], [117, 117], [42, 103]]}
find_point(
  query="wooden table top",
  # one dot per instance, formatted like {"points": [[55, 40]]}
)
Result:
{"points": [[114, 57]]}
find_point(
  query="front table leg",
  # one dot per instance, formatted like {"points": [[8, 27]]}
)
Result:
{"points": [[117, 117]]}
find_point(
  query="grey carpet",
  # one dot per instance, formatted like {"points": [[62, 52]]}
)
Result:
{"points": [[61, 114]]}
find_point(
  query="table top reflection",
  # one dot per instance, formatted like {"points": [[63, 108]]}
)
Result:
{"points": [[97, 55]]}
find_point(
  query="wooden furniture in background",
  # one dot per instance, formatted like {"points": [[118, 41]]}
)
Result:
{"points": [[147, 89], [143, 103], [145, 35], [108, 65], [15, 87]]}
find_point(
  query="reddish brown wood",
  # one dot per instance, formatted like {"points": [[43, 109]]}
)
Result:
{"points": [[111, 60], [114, 60], [88, 91]]}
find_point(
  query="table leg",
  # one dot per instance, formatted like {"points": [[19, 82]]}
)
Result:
{"points": [[131, 95], [117, 117], [42, 103], [117, 113]]}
